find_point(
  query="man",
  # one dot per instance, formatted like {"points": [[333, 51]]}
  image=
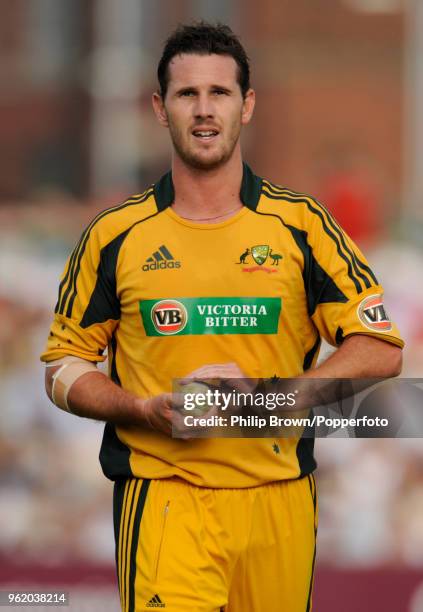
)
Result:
{"points": [[210, 524]]}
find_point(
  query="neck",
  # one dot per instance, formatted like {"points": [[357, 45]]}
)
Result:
{"points": [[207, 195]]}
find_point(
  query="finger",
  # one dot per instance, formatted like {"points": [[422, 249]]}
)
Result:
{"points": [[176, 401], [243, 385], [208, 370]]}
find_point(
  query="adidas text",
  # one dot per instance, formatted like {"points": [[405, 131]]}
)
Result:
{"points": [[161, 265]]}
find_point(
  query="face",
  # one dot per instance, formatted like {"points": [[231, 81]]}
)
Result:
{"points": [[204, 109]]}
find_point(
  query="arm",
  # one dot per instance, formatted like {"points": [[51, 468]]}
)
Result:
{"points": [[93, 395], [86, 315], [360, 356]]}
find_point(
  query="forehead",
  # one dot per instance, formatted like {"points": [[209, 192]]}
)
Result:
{"points": [[193, 70]]}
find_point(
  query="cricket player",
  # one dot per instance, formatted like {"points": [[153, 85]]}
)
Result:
{"points": [[212, 272]]}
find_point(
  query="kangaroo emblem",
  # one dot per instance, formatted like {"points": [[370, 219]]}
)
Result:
{"points": [[244, 255], [276, 257]]}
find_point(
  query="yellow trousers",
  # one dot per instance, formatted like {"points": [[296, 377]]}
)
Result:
{"points": [[184, 548]]}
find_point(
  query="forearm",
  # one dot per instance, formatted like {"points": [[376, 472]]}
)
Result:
{"points": [[93, 395], [360, 356], [356, 365]]}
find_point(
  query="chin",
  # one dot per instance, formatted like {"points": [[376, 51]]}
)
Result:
{"points": [[205, 162]]}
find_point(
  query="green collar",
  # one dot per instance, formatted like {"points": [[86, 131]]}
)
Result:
{"points": [[164, 191]]}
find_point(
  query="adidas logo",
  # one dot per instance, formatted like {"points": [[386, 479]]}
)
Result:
{"points": [[161, 259], [155, 602]]}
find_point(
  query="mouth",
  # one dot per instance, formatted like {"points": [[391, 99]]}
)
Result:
{"points": [[205, 135]]}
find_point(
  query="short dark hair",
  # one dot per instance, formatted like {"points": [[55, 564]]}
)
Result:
{"points": [[204, 38]]}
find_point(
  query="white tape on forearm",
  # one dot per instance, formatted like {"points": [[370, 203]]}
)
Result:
{"points": [[71, 368]]}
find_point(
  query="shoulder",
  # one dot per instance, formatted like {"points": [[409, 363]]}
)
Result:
{"points": [[116, 220], [293, 207]]}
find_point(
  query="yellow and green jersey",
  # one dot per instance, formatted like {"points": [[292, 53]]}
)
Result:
{"points": [[167, 295]]}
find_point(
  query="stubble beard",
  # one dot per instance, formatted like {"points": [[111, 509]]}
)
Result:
{"points": [[197, 161]]}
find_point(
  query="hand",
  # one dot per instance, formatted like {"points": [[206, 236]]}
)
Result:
{"points": [[217, 374], [163, 413], [156, 412]]}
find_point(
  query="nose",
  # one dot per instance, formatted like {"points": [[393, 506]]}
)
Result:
{"points": [[204, 106]]}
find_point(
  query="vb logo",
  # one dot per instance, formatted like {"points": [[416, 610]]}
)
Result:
{"points": [[169, 317], [373, 314]]}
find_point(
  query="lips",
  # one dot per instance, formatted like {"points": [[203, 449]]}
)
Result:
{"points": [[205, 134]]}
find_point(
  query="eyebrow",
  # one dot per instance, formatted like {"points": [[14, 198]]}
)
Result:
{"points": [[194, 88]]}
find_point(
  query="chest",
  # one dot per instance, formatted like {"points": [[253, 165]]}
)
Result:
{"points": [[193, 263]]}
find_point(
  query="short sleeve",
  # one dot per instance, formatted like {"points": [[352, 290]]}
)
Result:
{"points": [[348, 297], [88, 309]]}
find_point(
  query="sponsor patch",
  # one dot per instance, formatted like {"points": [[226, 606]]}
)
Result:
{"points": [[211, 315], [372, 314], [169, 317]]}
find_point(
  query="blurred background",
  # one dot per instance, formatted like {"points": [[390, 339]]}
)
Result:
{"points": [[340, 93]]}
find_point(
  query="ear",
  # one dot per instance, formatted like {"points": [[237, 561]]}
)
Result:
{"points": [[248, 106], [159, 109]]}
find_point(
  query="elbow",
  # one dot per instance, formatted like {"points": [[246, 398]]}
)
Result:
{"points": [[394, 363]]}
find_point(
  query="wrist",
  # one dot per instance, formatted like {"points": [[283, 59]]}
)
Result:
{"points": [[142, 409]]}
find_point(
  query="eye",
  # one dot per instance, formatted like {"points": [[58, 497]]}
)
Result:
{"points": [[187, 93], [220, 92]]}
